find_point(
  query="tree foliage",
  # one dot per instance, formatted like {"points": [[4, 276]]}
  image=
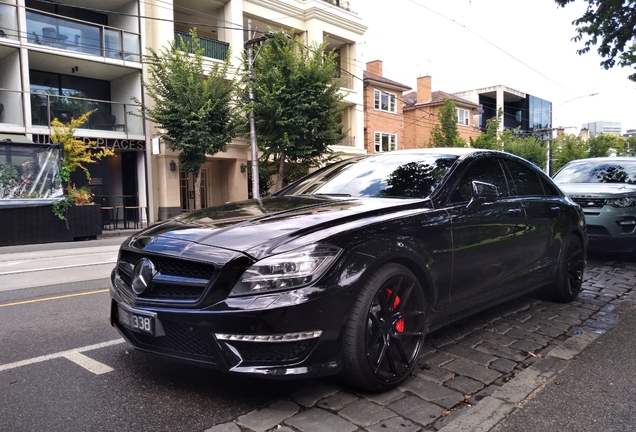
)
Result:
{"points": [[600, 145], [194, 107], [77, 152], [567, 148], [298, 104], [445, 134], [528, 147], [489, 139], [610, 24]]}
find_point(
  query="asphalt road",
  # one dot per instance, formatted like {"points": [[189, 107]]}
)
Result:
{"points": [[64, 368]]}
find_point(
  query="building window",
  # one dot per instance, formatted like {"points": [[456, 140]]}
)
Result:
{"points": [[385, 142], [462, 116], [384, 101]]}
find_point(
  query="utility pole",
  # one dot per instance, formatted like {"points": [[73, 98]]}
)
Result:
{"points": [[249, 46]]}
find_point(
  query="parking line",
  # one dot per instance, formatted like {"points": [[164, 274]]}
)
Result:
{"points": [[53, 298], [43, 358], [88, 363]]}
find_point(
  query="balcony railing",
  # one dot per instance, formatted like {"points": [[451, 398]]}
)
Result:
{"points": [[212, 48], [344, 4], [11, 112], [80, 36], [8, 22], [106, 116]]}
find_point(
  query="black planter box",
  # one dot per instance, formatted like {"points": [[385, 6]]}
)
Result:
{"points": [[30, 225]]}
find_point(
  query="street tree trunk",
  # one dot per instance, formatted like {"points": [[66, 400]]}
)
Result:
{"points": [[281, 172], [197, 190]]}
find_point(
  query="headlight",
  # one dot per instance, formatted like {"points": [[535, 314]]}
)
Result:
{"points": [[288, 270], [622, 202]]}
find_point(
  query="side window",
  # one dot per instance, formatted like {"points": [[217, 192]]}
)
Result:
{"points": [[485, 170], [526, 181]]}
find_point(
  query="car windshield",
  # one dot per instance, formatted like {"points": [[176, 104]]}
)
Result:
{"points": [[591, 171], [396, 176]]}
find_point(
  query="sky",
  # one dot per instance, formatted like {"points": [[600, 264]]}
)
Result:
{"points": [[522, 44]]}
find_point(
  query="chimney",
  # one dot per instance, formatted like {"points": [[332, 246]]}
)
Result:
{"points": [[424, 89], [375, 67]]}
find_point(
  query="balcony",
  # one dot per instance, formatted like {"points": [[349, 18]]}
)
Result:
{"points": [[11, 108], [212, 48], [343, 4], [106, 116], [8, 22], [67, 34]]}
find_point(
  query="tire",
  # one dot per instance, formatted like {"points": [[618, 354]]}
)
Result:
{"points": [[570, 271], [385, 330]]}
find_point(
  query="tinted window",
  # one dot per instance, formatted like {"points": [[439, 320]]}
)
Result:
{"points": [[403, 175], [485, 170], [526, 181], [594, 171]]}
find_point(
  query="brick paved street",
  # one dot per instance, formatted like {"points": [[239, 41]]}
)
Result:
{"points": [[472, 373]]}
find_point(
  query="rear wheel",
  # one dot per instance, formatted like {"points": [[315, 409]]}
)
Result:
{"points": [[570, 273], [385, 330]]}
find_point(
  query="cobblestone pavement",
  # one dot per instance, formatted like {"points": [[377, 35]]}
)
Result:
{"points": [[471, 374]]}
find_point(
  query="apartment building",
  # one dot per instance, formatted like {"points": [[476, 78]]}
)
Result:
{"points": [[227, 25], [63, 59], [602, 127], [521, 110], [421, 114], [383, 107]]}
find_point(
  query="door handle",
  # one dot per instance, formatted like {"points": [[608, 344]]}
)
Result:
{"points": [[555, 209], [514, 211]]}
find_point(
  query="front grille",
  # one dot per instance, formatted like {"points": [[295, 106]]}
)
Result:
{"points": [[272, 351], [177, 279], [179, 340], [590, 202]]}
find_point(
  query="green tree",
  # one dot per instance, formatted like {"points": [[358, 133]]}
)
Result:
{"points": [[528, 147], [600, 145], [610, 24], [630, 146], [298, 105], [194, 108], [567, 148], [489, 139], [445, 134]]}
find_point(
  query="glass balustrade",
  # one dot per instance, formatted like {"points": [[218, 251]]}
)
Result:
{"points": [[82, 37], [11, 112], [8, 22], [105, 116]]}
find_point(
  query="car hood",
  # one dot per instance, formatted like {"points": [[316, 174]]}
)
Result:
{"points": [[597, 190], [276, 224]]}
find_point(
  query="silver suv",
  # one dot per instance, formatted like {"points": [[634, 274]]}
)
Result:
{"points": [[605, 188]]}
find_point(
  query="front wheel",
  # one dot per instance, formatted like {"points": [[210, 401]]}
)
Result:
{"points": [[385, 330], [570, 272]]}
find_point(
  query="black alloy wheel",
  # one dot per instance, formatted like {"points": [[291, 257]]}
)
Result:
{"points": [[571, 267], [386, 329]]}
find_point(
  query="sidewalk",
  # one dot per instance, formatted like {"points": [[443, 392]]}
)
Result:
{"points": [[586, 384], [591, 393]]}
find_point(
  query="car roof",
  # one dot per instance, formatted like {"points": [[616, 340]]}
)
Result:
{"points": [[606, 159], [456, 151]]}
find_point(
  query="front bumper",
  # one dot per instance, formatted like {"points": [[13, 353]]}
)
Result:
{"points": [[201, 336], [611, 229]]}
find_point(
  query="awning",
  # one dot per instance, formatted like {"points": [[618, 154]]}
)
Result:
{"points": [[16, 138]]}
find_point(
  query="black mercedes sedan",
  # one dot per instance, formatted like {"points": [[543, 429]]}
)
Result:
{"points": [[346, 270]]}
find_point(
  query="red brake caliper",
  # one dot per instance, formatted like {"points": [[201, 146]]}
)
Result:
{"points": [[399, 325]]}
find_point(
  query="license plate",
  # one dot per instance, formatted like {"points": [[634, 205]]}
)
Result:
{"points": [[137, 321]]}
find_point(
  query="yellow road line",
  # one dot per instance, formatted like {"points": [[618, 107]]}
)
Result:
{"points": [[54, 298]]}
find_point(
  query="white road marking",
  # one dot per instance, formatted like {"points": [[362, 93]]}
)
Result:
{"points": [[110, 261], [43, 358], [88, 363]]}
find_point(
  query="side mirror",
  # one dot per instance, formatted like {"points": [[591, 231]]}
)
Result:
{"points": [[481, 193]]}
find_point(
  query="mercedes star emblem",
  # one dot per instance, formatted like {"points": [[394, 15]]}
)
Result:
{"points": [[142, 275]]}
